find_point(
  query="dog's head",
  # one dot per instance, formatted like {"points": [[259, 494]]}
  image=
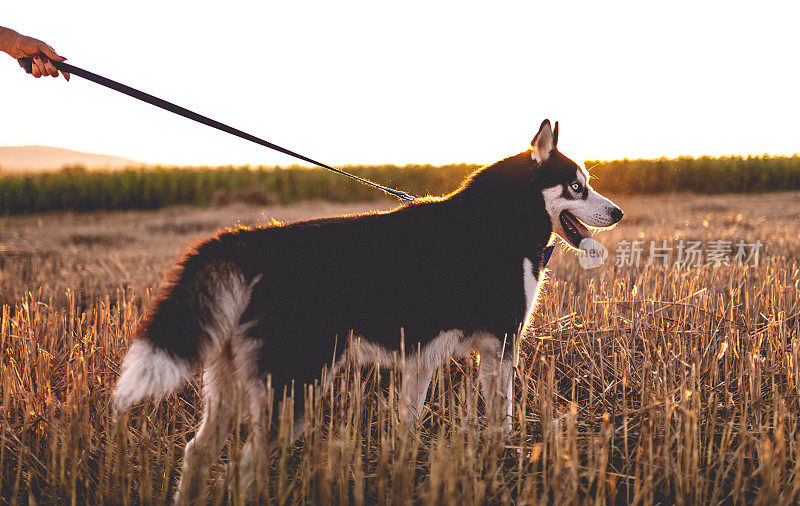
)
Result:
{"points": [[569, 199]]}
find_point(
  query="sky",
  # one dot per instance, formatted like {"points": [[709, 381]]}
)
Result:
{"points": [[410, 82]]}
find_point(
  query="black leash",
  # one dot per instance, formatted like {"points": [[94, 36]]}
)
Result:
{"points": [[27, 64]]}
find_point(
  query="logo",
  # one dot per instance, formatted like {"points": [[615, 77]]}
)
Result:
{"points": [[592, 253]]}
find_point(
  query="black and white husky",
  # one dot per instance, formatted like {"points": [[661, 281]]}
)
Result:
{"points": [[458, 274]]}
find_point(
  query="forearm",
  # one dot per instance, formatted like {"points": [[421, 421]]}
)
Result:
{"points": [[8, 38]]}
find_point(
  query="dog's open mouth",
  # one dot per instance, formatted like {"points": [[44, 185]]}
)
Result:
{"points": [[573, 228]]}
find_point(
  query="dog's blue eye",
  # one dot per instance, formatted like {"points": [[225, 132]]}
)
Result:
{"points": [[576, 186]]}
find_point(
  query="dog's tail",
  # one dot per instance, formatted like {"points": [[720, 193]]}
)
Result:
{"points": [[149, 370], [165, 350], [194, 316]]}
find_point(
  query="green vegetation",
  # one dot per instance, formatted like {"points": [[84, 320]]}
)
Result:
{"points": [[80, 190], [727, 174]]}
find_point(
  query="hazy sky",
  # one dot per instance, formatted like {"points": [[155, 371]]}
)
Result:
{"points": [[411, 82]]}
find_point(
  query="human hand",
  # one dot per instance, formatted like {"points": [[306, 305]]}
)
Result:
{"points": [[20, 46]]}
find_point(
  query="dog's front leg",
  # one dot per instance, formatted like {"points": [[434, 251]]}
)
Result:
{"points": [[496, 377], [416, 380]]}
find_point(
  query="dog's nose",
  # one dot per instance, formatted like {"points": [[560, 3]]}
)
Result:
{"points": [[616, 214]]}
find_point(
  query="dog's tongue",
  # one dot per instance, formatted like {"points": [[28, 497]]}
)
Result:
{"points": [[583, 231]]}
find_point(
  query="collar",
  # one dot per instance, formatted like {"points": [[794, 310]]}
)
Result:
{"points": [[546, 255]]}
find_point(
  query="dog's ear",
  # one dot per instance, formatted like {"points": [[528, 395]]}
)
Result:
{"points": [[555, 136], [544, 141]]}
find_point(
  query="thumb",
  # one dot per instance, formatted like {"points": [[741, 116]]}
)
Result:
{"points": [[50, 52]]}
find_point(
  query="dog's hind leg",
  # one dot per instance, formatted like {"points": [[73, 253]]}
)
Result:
{"points": [[252, 462], [418, 371], [219, 406]]}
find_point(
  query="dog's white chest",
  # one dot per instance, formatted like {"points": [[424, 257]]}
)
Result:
{"points": [[530, 283]]}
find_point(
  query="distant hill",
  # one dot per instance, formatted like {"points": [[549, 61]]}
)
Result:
{"points": [[37, 158]]}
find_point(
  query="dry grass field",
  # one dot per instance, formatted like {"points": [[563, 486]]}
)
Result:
{"points": [[645, 384]]}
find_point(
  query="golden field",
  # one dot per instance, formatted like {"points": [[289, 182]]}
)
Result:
{"points": [[649, 384]]}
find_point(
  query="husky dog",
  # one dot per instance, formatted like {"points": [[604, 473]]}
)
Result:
{"points": [[459, 273]]}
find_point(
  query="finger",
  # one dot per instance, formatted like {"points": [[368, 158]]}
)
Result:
{"points": [[39, 64], [50, 52], [35, 72], [48, 65], [65, 74]]}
